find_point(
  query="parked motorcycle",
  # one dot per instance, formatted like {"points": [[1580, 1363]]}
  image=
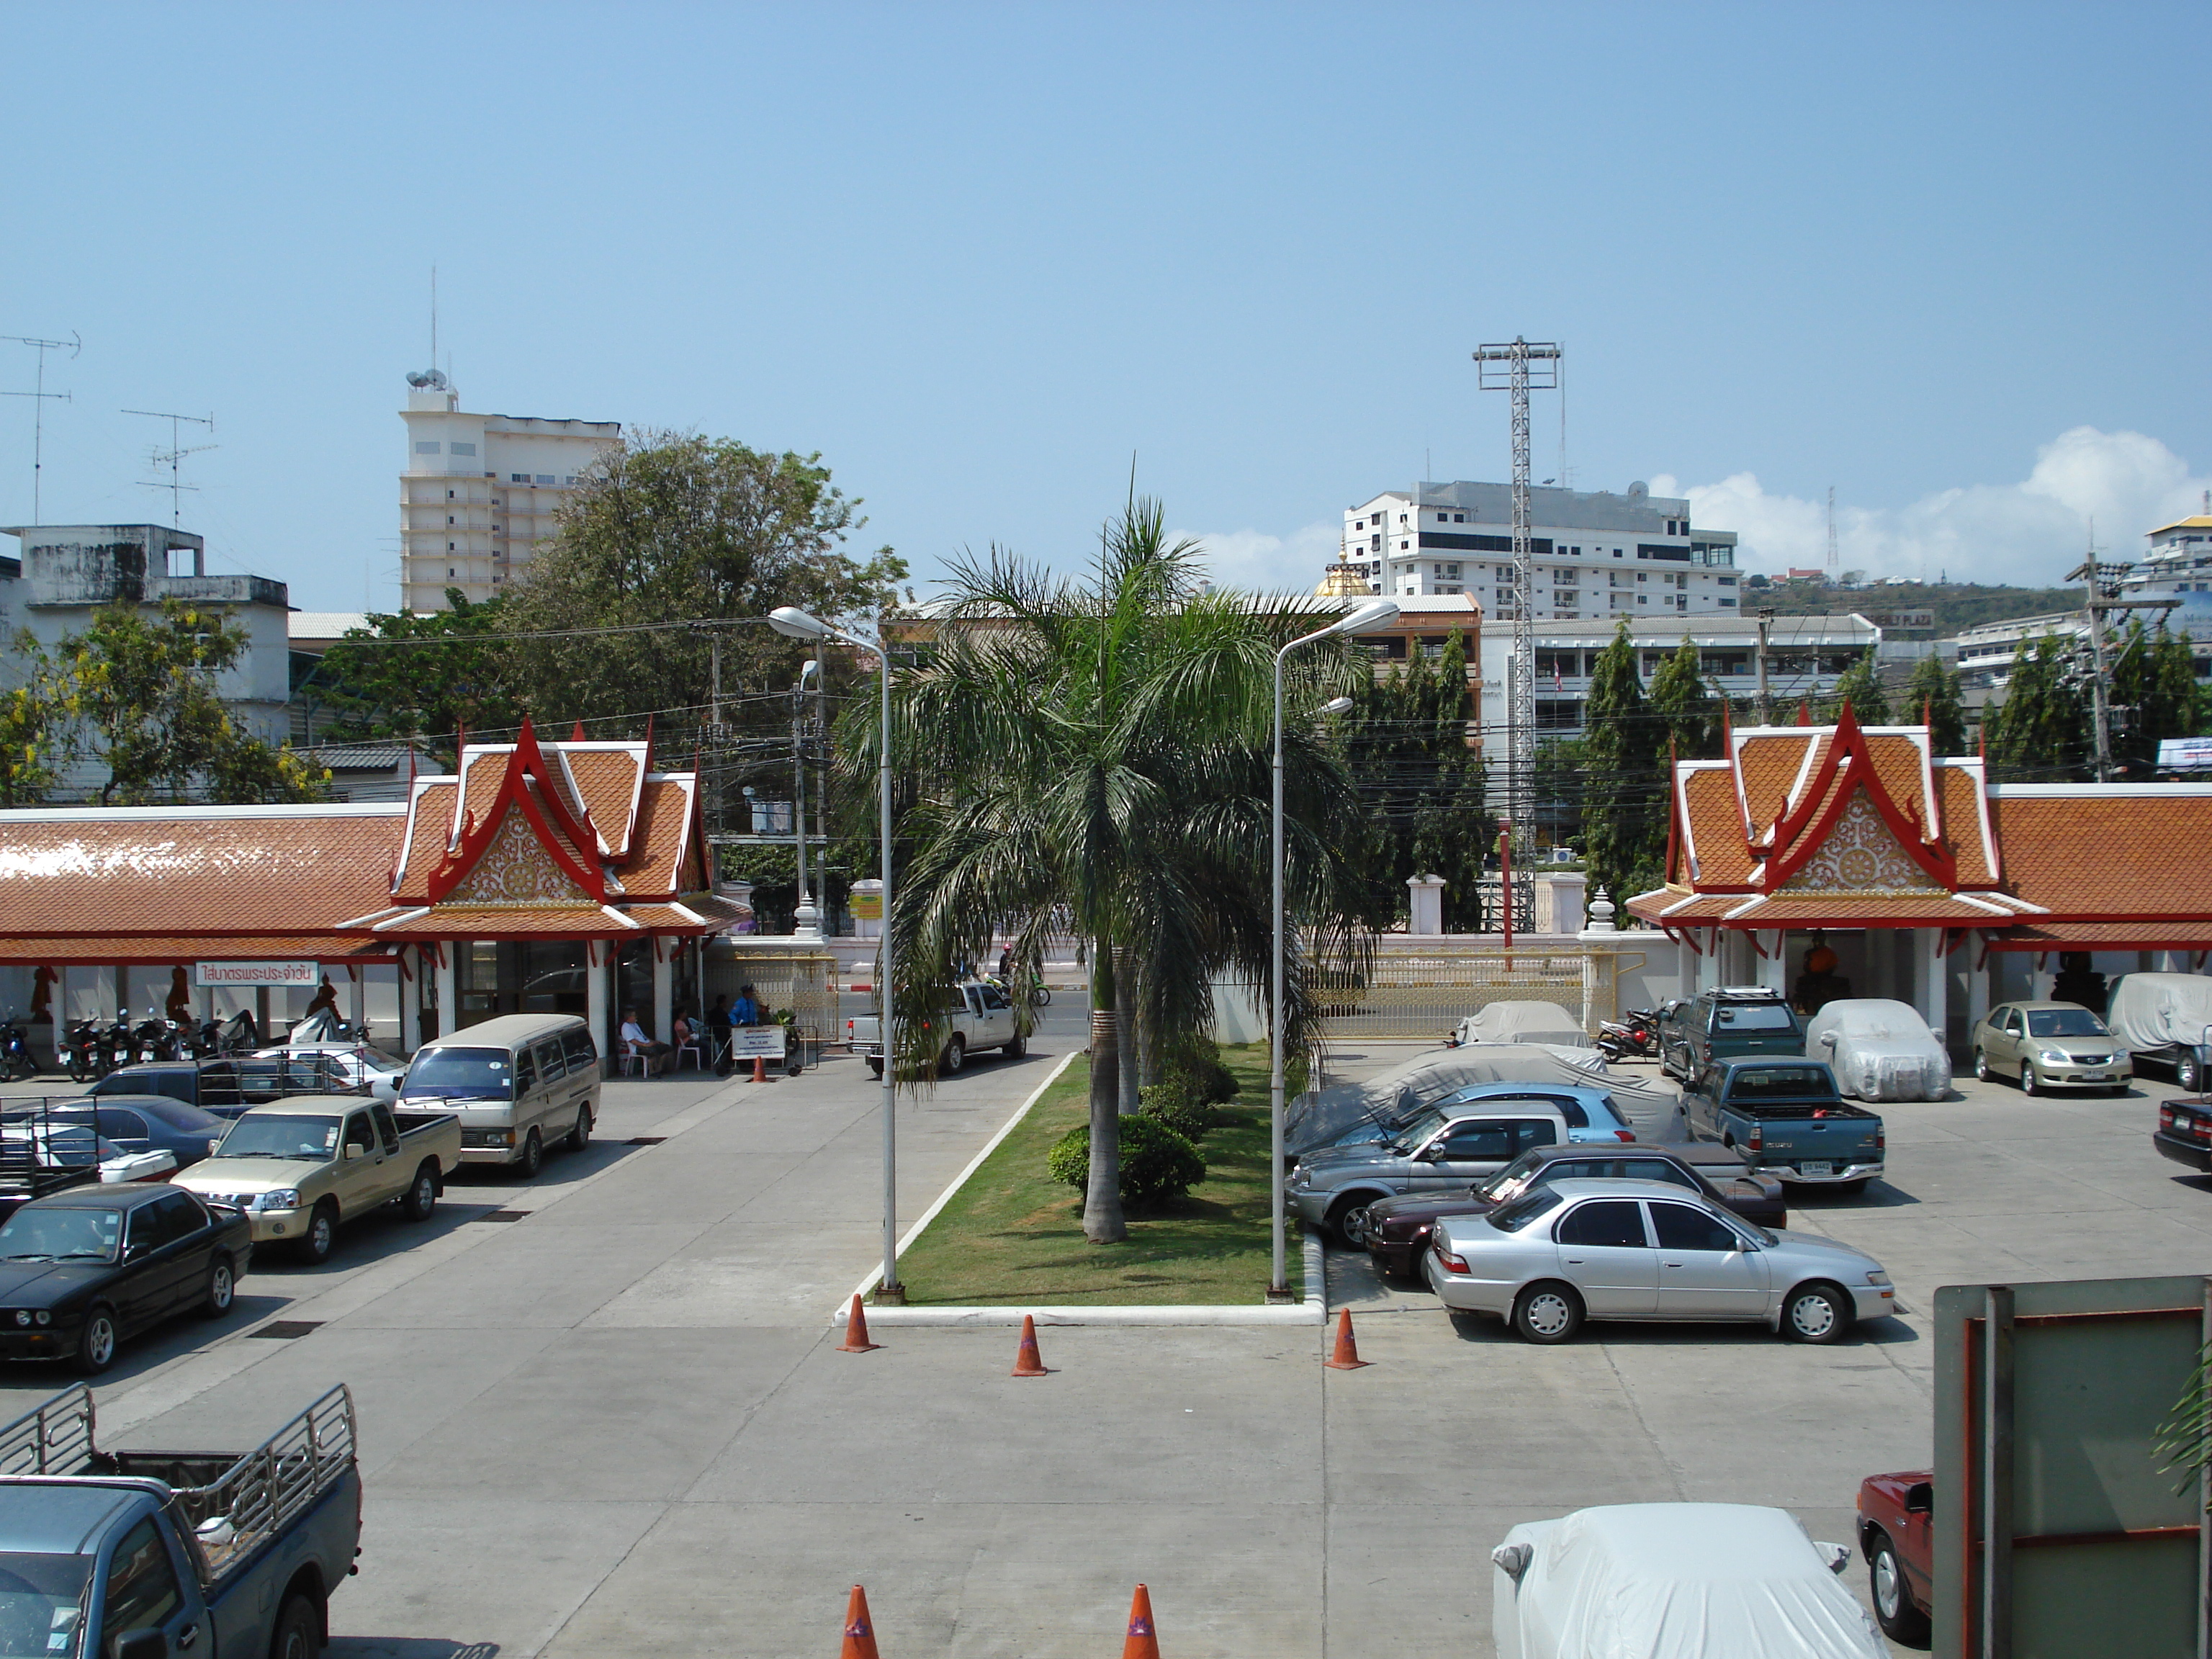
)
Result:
{"points": [[117, 1042], [81, 1051], [1633, 1037], [152, 1040], [16, 1061]]}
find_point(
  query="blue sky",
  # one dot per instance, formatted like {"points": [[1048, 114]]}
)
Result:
{"points": [[1950, 259]]}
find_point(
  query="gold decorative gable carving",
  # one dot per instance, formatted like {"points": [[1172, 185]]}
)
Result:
{"points": [[516, 869], [1860, 855]]}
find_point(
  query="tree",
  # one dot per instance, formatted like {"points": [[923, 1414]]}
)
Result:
{"points": [[2042, 732], [1097, 754], [1681, 700], [681, 528], [142, 695], [35, 729], [1860, 687], [1932, 693], [1406, 743], [2154, 696], [423, 677], [1625, 787]]}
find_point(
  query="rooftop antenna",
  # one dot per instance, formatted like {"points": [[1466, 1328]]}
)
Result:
{"points": [[432, 378], [39, 395], [172, 458], [1834, 564]]}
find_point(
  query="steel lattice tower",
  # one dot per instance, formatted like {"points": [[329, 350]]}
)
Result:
{"points": [[1520, 366]]}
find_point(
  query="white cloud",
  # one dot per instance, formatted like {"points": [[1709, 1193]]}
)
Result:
{"points": [[2029, 533], [1255, 562]]}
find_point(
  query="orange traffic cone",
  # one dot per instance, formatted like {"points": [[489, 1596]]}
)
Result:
{"points": [[760, 1068], [856, 1332], [1142, 1640], [860, 1629], [1347, 1357], [1027, 1361]]}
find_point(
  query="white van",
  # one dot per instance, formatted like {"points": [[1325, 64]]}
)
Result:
{"points": [[516, 1083]]}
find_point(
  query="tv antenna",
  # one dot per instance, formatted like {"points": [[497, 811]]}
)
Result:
{"points": [[39, 395], [172, 458]]}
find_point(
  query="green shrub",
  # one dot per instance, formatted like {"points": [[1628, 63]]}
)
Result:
{"points": [[1197, 1062], [1171, 1101], [1156, 1162]]}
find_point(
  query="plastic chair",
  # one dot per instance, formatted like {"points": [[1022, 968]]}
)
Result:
{"points": [[698, 1060], [629, 1057]]}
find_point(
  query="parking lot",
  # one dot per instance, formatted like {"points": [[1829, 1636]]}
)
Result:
{"points": [[619, 1424]]}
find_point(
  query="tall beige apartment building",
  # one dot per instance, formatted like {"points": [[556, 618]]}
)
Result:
{"points": [[480, 491]]}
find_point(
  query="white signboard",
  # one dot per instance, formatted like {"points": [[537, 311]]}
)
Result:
{"points": [[2185, 754], [209, 974], [756, 1042]]}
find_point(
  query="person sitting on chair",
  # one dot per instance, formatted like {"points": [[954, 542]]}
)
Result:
{"points": [[653, 1057]]}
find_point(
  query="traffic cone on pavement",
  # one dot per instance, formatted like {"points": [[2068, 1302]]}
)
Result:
{"points": [[1027, 1361], [1142, 1640], [856, 1332], [760, 1068], [860, 1629], [1347, 1357]]}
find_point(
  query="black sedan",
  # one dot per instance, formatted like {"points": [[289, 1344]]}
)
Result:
{"points": [[83, 1269]]}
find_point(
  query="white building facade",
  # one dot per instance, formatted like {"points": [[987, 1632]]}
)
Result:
{"points": [[480, 492], [2179, 560], [1597, 554]]}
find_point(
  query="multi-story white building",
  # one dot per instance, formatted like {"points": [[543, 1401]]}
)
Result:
{"points": [[480, 491], [1597, 554], [2179, 560]]}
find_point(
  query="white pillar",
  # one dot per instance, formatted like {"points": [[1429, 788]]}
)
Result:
{"points": [[1774, 970], [1977, 987], [449, 1002], [1425, 905], [595, 1000], [360, 999], [664, 988], [1935, 986]]}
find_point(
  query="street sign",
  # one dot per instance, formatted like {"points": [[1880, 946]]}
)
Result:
{"points": [[864, 907], [756, 1042], [209, 974], [2185, 754]]}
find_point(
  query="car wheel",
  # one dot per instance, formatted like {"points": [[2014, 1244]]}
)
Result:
{"points": [[1981, 1066], [422, 1196], [222, 1288], [95, 1345], [1548, 1313], [321, 1237], [1893, 1610], [1340, 1214], [954, 1056], [2029, 1083], [299, 1633], [1017, 1048], [875, 1068], [1816, 1313], [581, 1136], [534, 1156], [2187, 1074]]}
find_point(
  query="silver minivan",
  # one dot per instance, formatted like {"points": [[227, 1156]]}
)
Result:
{"points": [[516, 1083]]}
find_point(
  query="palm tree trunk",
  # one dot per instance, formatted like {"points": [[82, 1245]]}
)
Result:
{"points": [[1125, 1038], [1102, 1193]]}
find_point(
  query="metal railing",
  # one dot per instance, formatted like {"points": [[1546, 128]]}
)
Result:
{"points": [[276, 1482], [55, 1438]]}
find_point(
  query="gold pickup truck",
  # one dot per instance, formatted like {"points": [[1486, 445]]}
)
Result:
{"points": [[300, 1167]]}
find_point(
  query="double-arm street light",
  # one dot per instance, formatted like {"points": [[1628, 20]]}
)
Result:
{"points": [[797, 624], [1374, 614]]}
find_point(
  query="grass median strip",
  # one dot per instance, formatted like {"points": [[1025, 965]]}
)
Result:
{"points": [[1012, 1235]]}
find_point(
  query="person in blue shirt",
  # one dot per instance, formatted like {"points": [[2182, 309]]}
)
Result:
{"points": [[744, 1011]]}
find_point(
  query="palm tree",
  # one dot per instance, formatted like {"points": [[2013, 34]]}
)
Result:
{"points": [[1099, 754]]}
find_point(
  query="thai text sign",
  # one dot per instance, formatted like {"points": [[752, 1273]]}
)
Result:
{"points": [[756, 1042], [866, 907], [207, 975], [2185, 754]]}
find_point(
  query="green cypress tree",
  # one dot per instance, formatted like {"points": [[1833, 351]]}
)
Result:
{"points": [[2154, 695], [1860, 687], [2042, 732], [1625, 787], [1934, 689], [1681, 698]]}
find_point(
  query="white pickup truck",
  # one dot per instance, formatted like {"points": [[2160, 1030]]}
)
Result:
{"points": [[984, 1018]]}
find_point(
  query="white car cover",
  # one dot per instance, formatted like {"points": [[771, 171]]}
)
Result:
{"points": [[1674, 1581], [1524, 1021], [1881, 1050], [1652, 1106], [2156, 1011]]}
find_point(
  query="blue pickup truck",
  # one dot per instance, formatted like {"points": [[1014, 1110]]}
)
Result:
{"points": [[144, 1554], [1787, 1119]]}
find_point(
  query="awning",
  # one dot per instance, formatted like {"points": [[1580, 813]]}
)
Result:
{"points": [[2147, 933], [126, 950], [690, 917]]}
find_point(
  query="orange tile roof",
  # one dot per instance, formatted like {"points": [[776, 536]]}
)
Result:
{"points": [[514, 921], [1897, 762], [607, 779], [1960, 790], [2149, 934], [661, 842], [2085, 854], [1722, 859], [1770, 766]]}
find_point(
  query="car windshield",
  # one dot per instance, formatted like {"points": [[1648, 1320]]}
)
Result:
{"points": [[41, 1604], [59, 1234], [484, 1074], [2064, 1022], [1781, 1082], [1512, 1217], [280, 1135], [1508, 1181], [1753, 1016], [1418, 1130]]}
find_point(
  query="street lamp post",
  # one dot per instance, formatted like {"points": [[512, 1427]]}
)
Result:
{"points": [[797, 624], [1376, 613]]}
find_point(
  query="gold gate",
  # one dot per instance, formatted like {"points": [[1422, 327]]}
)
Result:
{"points": [[1419, 989]]}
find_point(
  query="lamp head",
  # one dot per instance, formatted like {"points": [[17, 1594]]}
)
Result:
{"points": [[1374, 614], [791, 623], [808, 670], [1337, 706]]}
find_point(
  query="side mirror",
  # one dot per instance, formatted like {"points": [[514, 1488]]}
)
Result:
{"points": [[1837, 1556], [353, 1151], [1920, 1498], [140, 1644], [1513, 1559]]}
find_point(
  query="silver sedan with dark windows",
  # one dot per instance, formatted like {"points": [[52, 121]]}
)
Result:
{"points": [[1575, 1250], [2050, 1045]]}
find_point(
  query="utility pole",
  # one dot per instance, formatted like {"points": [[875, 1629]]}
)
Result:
{"points": [[1516, 367], [37, 396], [172, 458], [2100, 585], [1765, 618]]}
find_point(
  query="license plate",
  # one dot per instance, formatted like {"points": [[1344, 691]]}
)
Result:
{"points": [[1812, 1168], [2096, 1076]]}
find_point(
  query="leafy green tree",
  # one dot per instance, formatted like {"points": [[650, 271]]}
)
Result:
{"points": [[1861, 687], [1406, 742], [35, 734], [425, 677], [1933, 692], [680, 528], [2042, 732], [1681, 700], [1625, 786], [142, 694], [2154, 696], [1097, 753]]}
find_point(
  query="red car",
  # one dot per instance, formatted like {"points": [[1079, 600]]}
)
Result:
{"points": [[1895, 1515]]}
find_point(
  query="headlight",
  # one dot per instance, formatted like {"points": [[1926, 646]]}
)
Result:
{"points": [[22, 1316], [1302, 1178], [2052, 1057], [1877, 1277], [283, 1198], [45, 1318]]}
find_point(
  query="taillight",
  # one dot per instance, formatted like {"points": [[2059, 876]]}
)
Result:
{"points": [[1882, 1139], [1453, 1264], [1758, 1141], [1624, 1135], [2165, 1117]]}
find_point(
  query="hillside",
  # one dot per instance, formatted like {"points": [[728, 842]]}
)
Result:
{"points": [[1956, 604]]}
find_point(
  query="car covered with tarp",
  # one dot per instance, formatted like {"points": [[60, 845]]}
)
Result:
{"points": [[1675, 1581], [1523, 1022], [1879, 1049], [1652, 1106], [2164, 1018]]}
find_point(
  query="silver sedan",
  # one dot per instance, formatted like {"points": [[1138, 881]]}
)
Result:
{"points": [[1646, 1249]]}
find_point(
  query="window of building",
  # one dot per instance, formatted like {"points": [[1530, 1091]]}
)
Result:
{"points": [[462, 449], [449, 494], [517, 477], [546, 477], [1459, 518], [1401, 518], [449, 571], [429, 448], [449, 547]]}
